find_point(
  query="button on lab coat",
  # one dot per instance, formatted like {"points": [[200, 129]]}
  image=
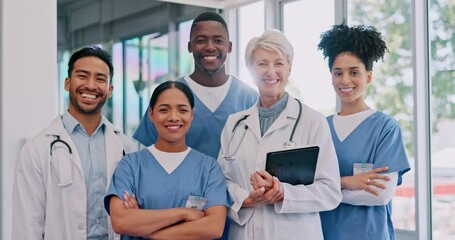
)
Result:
{"points": [[297, 216], [43, 210]]}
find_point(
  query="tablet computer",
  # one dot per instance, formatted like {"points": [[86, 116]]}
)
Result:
{"points": [[293, 166]]}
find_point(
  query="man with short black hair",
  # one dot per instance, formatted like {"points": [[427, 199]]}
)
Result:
{"points": [[63, 172]]}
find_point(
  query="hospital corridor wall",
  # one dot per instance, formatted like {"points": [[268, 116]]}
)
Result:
{"points": [[28, 86]]}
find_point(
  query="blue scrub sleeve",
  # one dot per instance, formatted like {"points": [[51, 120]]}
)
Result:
{"points": [[391, 152], [216, 192], [121, 182]]}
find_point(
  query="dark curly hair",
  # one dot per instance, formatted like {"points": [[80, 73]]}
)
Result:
{"points": [[363, 41]]}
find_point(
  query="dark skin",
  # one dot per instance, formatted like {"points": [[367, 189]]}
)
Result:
{"points": [[209, 43]]}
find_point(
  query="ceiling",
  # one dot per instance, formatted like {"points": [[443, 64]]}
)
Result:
{"points": [[220, 4], [82, 22]]}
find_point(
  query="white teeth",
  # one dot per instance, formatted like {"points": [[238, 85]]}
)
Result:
{"points": [[346, 89], [269, 81], [210, 57], [173, 127], [86, 95]]}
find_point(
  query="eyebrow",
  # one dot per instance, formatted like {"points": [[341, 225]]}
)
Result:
{"points": [[87, 72], [350, 68], [168, 105]]}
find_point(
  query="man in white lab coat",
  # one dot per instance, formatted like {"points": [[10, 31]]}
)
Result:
{"points": [[63, 172]]}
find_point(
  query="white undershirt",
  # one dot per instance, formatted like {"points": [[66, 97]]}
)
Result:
{"points": [[344, 125], [212, 97], [168, 160]]}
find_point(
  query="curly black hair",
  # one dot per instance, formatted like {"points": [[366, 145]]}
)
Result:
{"points": [[363, 41]]}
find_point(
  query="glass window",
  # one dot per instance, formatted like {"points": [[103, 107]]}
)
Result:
{"points": [[117, 82], [442, 80], [392, 89], [252, 21], [310, 78], [186, 63], [132, 111]]}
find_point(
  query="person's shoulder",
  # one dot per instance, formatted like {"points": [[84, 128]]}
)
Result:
{"points": [[385, 118], [310, 111], [131, 144], [50, 130], [137, 157], [238, 115], [201, 156]]}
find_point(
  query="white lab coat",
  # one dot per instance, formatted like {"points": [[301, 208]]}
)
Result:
{"points": [[43, 210], [297, 216]]}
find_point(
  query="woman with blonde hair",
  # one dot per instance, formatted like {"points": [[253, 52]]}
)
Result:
{"points": [[264, 207]]}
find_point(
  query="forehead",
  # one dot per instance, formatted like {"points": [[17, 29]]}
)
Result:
{"points": [[172, 95], [347, 59], [209, 28], [91, 64], [262, 53]]}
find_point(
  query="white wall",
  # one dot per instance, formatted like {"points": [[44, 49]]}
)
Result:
{"points": [[28, 65]]}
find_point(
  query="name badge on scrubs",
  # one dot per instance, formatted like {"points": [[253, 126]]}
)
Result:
{"points": [[197, 202], [362, 168]]}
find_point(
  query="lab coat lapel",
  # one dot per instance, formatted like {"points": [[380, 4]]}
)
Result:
{"points": [[114, 149], [253, 122]]}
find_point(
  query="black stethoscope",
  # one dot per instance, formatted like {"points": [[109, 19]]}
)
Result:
{"points": [[287, 145], [56, 162], [56, 168]]}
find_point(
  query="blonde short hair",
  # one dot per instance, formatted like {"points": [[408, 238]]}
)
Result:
{"points": [[273, 40]]}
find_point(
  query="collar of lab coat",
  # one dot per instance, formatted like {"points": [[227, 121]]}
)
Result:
{"points": [[288, 116]]}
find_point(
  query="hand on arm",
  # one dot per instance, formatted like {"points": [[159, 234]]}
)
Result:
{"points": [[129, 200], [210, 226], [364, 198], [267, 190], [128, 219], [366, 181]]}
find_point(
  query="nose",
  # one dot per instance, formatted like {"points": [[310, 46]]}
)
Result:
{"points": [[345, 79], [270, 71], [210, 45], [173, 115], [91, 83]]}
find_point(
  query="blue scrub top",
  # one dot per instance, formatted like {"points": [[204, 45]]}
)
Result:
{"points": [[140, 173], [376, 140], [205, 130]]}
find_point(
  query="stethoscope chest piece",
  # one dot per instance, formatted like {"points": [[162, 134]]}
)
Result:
{"points": [[289, 145]]}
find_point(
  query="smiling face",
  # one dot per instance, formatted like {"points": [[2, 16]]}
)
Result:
{"points": [[172, 115], [270, 71], [350, 80], [210, 46], [88, 86]]}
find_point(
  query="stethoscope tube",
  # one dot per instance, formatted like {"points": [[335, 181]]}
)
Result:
{"points": [[289, 144]]}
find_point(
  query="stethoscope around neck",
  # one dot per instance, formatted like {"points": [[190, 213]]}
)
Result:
{"points": [[62, 165], [287, 145]]}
